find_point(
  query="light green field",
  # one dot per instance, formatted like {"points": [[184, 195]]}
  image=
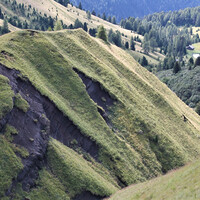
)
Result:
{"points": [[181, 184], [148, 136], [196, 50]]}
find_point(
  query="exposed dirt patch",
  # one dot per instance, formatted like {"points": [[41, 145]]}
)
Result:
{"points": [[43, 119], [97, 94]]}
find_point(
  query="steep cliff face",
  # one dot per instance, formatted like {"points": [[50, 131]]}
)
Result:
{"points": [[82, 119]]}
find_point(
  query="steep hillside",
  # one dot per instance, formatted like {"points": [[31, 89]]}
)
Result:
{"points": [[181, 184], [83, 119], [136, 8], [10, 27], [39, 13]]}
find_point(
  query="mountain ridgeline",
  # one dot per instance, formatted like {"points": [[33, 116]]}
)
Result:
{"points": [[81, 119], [135, 8]]}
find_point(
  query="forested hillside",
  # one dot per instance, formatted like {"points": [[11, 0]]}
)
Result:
{"points": [[135, 8]]}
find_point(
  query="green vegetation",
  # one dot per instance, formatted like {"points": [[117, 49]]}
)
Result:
{"points": [[23, 16], [21, 103], [58, 26], [48, 188], [102, 33], [10, 165], [75, 173], [9, 131], [148, 136], [185, 83], [6, 94], [179, 184], [20, 150]]}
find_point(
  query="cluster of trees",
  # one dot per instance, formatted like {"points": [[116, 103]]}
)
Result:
{"points": [[63, 2], [4, 29], [34, 20], [162, 31], [115, 38]]}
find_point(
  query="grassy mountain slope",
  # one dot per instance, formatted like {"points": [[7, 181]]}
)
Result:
{"points": [[144, 134], [179, 184]]}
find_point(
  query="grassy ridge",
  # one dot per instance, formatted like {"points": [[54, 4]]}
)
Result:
{"points": [[75, 173], [10, 165], [6, 94], [149, 135], [180, 184]]}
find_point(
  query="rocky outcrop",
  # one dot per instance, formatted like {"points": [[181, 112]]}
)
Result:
{"points": [[98, 94]]}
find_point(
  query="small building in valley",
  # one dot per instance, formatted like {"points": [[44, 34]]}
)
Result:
{"points": [[190, 47]]}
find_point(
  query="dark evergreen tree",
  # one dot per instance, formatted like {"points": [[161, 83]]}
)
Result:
{"points": [[5, 28], [85, 28], [132, 44], [113, 20], [80, 6], [78, 24], [198, 108], [102, 33], [176, 67], [104, 16], [126, 45], [191, 61], [92, 32], [109, 18], [197, 62], [144, 61], [93, 13]]}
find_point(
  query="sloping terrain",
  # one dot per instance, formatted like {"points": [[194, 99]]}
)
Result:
{"points": [[185, 84], [135, 8], [181, 184], [83, 119], [10, 27], [51, 8]]}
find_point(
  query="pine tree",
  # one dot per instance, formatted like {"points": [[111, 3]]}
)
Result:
{"points": [[102, 33], [58, 26], [198, 108], [109, 18], [5, 27], [104, 16], [191, 61], [88, 15], [197, 62], [80, 6], [78, 24], [93, 13], [127, 45], [176, 67], [113, 20], [85, 28], [49, 29], [144, 61], [132, 45]]}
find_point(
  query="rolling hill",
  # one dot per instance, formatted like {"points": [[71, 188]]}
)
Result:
{"points": [[81, 119]]}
